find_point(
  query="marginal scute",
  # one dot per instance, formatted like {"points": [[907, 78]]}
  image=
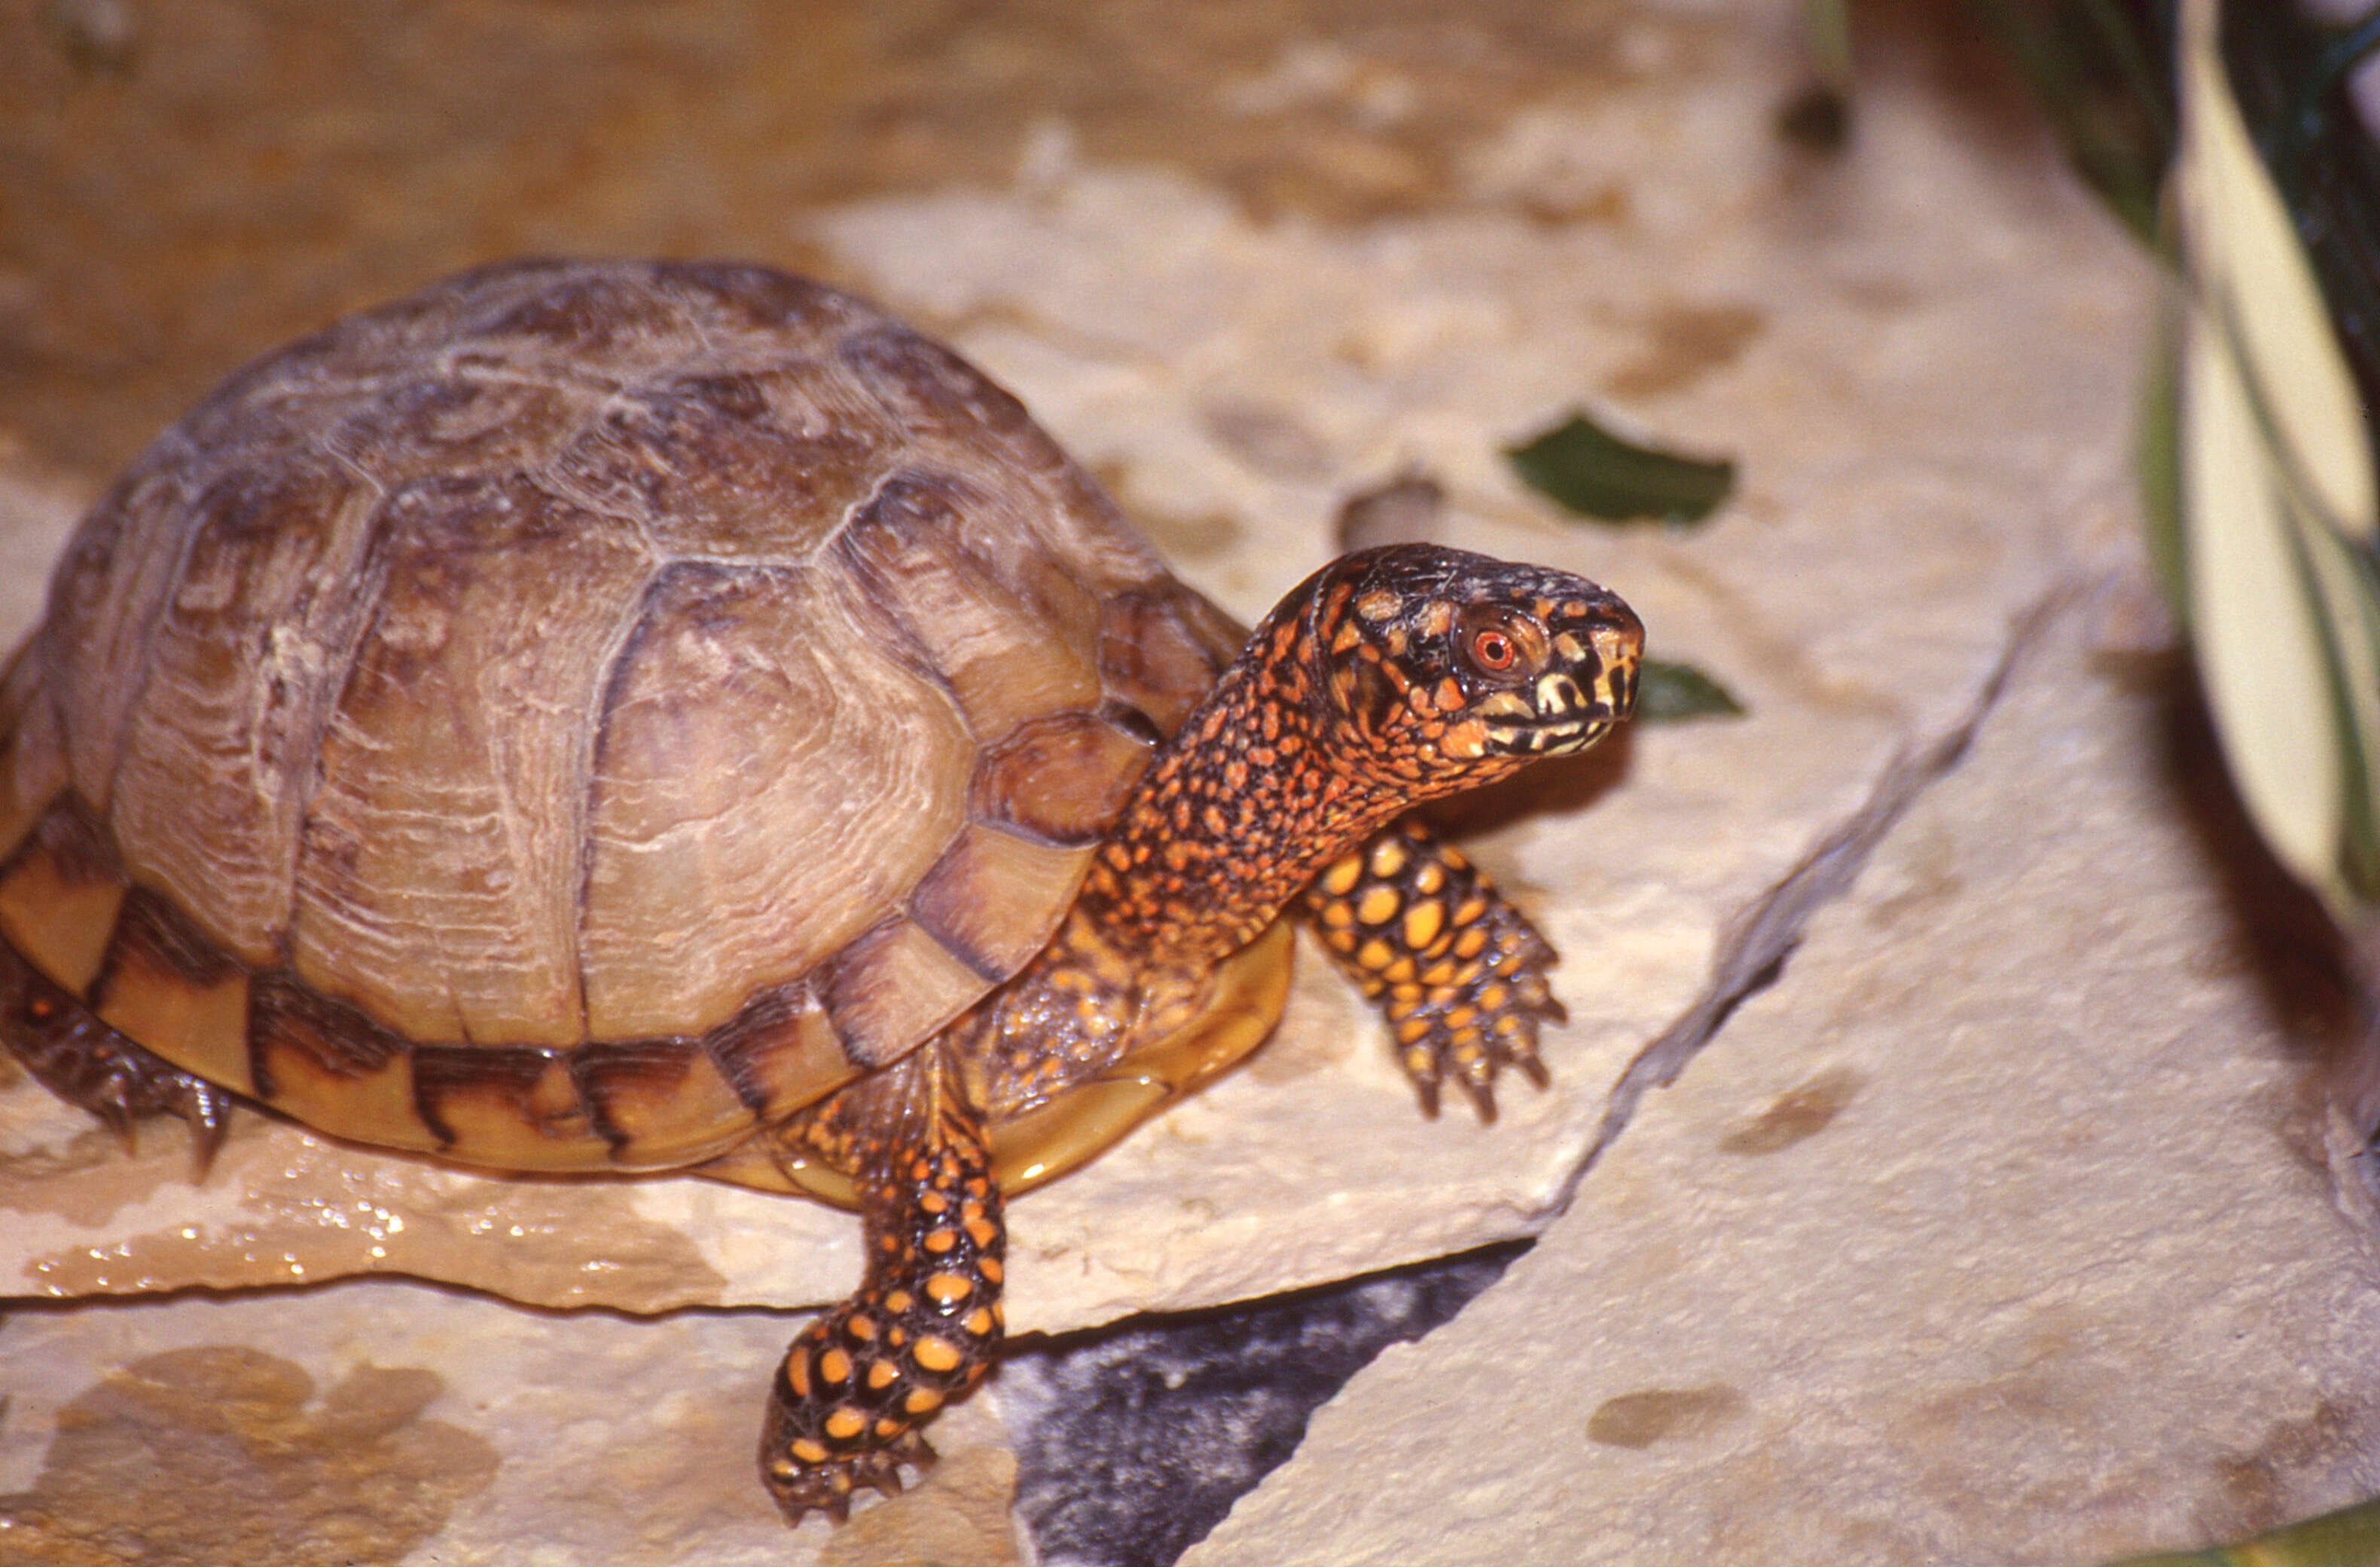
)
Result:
{"points": [[1161, 647], [166, 983], [1062, 779], [521, 1106], [894, 985], [60, 893], [331, 1066], [780, 1052], [990, 898], [661, 1104]]}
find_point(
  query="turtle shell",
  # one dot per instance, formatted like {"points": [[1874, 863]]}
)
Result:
{"points": [[580, 713]]}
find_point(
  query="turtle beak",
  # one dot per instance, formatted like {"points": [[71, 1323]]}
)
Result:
{"points": [[1589, 684]]}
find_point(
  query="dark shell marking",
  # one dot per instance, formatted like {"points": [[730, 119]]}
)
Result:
{"points": [[867, 809]]}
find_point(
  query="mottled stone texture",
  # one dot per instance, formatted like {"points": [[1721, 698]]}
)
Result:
{"points": [[1997, 1230]]}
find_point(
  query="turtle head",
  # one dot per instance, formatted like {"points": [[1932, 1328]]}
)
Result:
{"points": [[1451, 668]]}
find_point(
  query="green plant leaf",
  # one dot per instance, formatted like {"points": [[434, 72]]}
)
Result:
{"points": [[2158, 452], [1588, 470], [1672, 693]]}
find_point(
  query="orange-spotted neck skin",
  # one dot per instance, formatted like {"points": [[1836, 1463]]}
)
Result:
{"points": [[1391, 677]]}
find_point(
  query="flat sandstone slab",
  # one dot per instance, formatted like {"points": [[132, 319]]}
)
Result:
{"points": [[1999, 1231], [378, 1421]]}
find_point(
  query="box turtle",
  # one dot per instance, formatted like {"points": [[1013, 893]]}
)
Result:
{"points": [[666, 716]]}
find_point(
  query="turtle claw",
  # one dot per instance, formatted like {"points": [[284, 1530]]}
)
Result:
{"points": [[803, 1488], [1469, 1032], [123, 1084], [207, 1108], [92, 1066]]}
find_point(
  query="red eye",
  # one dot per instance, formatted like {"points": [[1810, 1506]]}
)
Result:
{"points": [[1492, 650]]}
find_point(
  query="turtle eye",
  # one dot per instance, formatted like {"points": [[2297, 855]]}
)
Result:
{"points": [[1492, 651]]}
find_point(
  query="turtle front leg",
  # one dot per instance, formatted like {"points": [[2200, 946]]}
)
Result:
{"points": [[92, 1068], [1458, 972], [847, 1403]]}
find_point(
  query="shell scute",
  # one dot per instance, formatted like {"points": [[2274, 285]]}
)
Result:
{"points": [[520, 1105], [724, 466], [163, 978], [483, 419], [219, 747], [893, 985], [61, 891], [1004, 661], [771, 778], [443, 804], [1161, 647], [659, 1103], [1061, 780], [330, 1065], [780, 1052], [602, 321], [976, 901]]}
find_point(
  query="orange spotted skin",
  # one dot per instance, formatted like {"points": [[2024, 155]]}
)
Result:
{"points": [[1388, 678], [1362, 695]]}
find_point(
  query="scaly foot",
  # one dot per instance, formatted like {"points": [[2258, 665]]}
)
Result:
{"points": [[89, 1065], [847, 1405], [1457, 971]]}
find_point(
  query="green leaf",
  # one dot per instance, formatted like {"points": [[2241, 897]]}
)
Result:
{"points": [[1672, 693], [1588, 470], [2158, 452], [2091, 67]]}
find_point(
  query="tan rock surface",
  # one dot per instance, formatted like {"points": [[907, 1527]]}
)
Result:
{"points": [[1356, 244], [1999, 1231], [381, 1422]]}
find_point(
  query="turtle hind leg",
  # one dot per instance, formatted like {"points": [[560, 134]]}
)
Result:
{"points": [[847, 1405], [92, 1066], [1456, 970]]}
